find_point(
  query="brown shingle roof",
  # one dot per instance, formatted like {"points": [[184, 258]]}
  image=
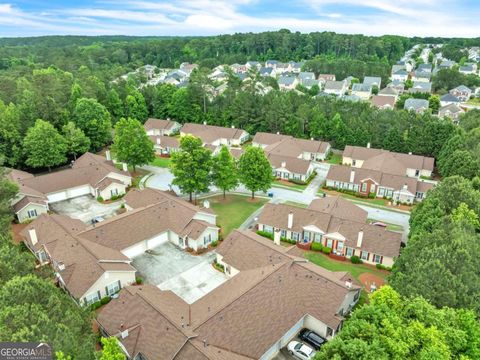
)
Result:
{"points": [[339, 207], [28, 200], [165, 141], [159, 124], [408, 160], [235, 319], [211, 133], [382, 101]]}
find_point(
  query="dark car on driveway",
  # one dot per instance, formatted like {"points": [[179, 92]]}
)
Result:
{"points": [[312, 338]]}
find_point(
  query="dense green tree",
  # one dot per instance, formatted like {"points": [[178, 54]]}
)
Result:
{"points": [[10, 138], [162, 98], [13, 261], [111, 350], [462, 163], [33, 309], [395, 327], [94, 120], [114, 105], [224, 171], [434, 103], [463, 215], [191, 166], [131, 143], [77, 142], [8, 191], [44, 146], [442, 253], [135, 106], [254, 170]]}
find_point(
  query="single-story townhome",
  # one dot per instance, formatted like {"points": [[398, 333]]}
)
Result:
{"points": [[105, 249], [233, 321], [417, 105], [368, 182], [216, 135], [383, 101], [161, 127], [388, 161], [345, 237], [337, 88], [90, 174], [451, 111], [363, 91]]}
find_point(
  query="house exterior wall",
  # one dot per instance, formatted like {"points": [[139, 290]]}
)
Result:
{"points": [[210, 218], [144, 245], [106, 193], [349, 161], [230, 271], [70, 193], [422, 172], [22, 215], [126, 179], [204, 240], [107, 278], [364, 95]]}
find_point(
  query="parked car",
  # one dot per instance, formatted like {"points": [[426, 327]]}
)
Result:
{"points": [[379, 223], [300, 350], [312, 338], [97, 219]]}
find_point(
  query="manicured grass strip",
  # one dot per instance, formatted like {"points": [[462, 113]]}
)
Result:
{"points": [[233, 210], [161, 162], [334, 265], [335, 159]]}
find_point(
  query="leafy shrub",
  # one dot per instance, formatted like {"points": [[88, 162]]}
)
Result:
{"points": [[100, 199], [95, 305], [371, 196], [265, 234], [214, 243], [298, 182], [383, 267], [316, 246], [326, 250], [105, 300], [289, 241], [356, 260], [139, 280], [219, 266]]}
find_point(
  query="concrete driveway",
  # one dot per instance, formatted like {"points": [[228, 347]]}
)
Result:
{"points": [[171, 268], [85, 208], [161, 179]]}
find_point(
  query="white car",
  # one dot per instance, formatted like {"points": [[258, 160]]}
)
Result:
{"points": [[300, 350]]}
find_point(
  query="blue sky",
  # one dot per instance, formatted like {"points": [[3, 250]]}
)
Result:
{"points": [[206, 17]]}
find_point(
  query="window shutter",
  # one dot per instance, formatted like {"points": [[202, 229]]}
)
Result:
{"points": [[119, 284], [106, 290], [99, 295], [381, 259]]}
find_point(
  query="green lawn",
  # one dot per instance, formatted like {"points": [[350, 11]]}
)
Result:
{"points": [[334, 265], [289, 185], [474, 101], [161, 162], [334, 159], [392, 227], [233, 210]]}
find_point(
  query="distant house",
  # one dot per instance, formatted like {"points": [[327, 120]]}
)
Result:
{"points": [[446, 64], [417, 105], [305, 75], [295, 67], [372, 81], [398, 86], [238, 68], [421, 87], [165, 145], [216, 135], [267, 71], [452, 111], [323, 78], [383, 102], [161, 127], [400, 75], [421, 76], [462, 92], [352, 98], [425, 68], [253, 65], [308, 83], [448, 99], [287, 82], [337, 88], [396, 68], [188, 68], [363, 91], [271, 63], [407, 64], [467, 69], [388, 91]]}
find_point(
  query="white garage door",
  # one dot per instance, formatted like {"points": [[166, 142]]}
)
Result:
{"points": [[83, 190], [158, 240], [60, 196], [135, 250], [292, 332]]}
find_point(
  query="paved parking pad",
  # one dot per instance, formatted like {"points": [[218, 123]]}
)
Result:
{"points": [[85, 208], [171, 268]]}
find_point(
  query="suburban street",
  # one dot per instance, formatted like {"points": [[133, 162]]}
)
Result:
{"points": [[161, 178]]}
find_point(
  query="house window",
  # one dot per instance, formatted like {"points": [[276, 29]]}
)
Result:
{"points": [[295, 236], [364, 187], [354, 162], [268, 229], [113, 288], [92, 298], [340, 246], [32, 213], [372, 188], [349, 252], [42, 256], [417, 172], [389, 193], [283, 233], [318, 237], [306, 236], [419, 195], [364, 255], [114, 192], [377, 259], [329, 331], [329, 243], [381, 191], [207, 239]]}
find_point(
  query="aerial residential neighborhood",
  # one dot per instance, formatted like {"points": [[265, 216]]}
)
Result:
{"points": [[239, 180]]}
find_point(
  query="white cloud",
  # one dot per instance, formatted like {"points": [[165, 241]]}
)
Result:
{"points": [[206, 17]]}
